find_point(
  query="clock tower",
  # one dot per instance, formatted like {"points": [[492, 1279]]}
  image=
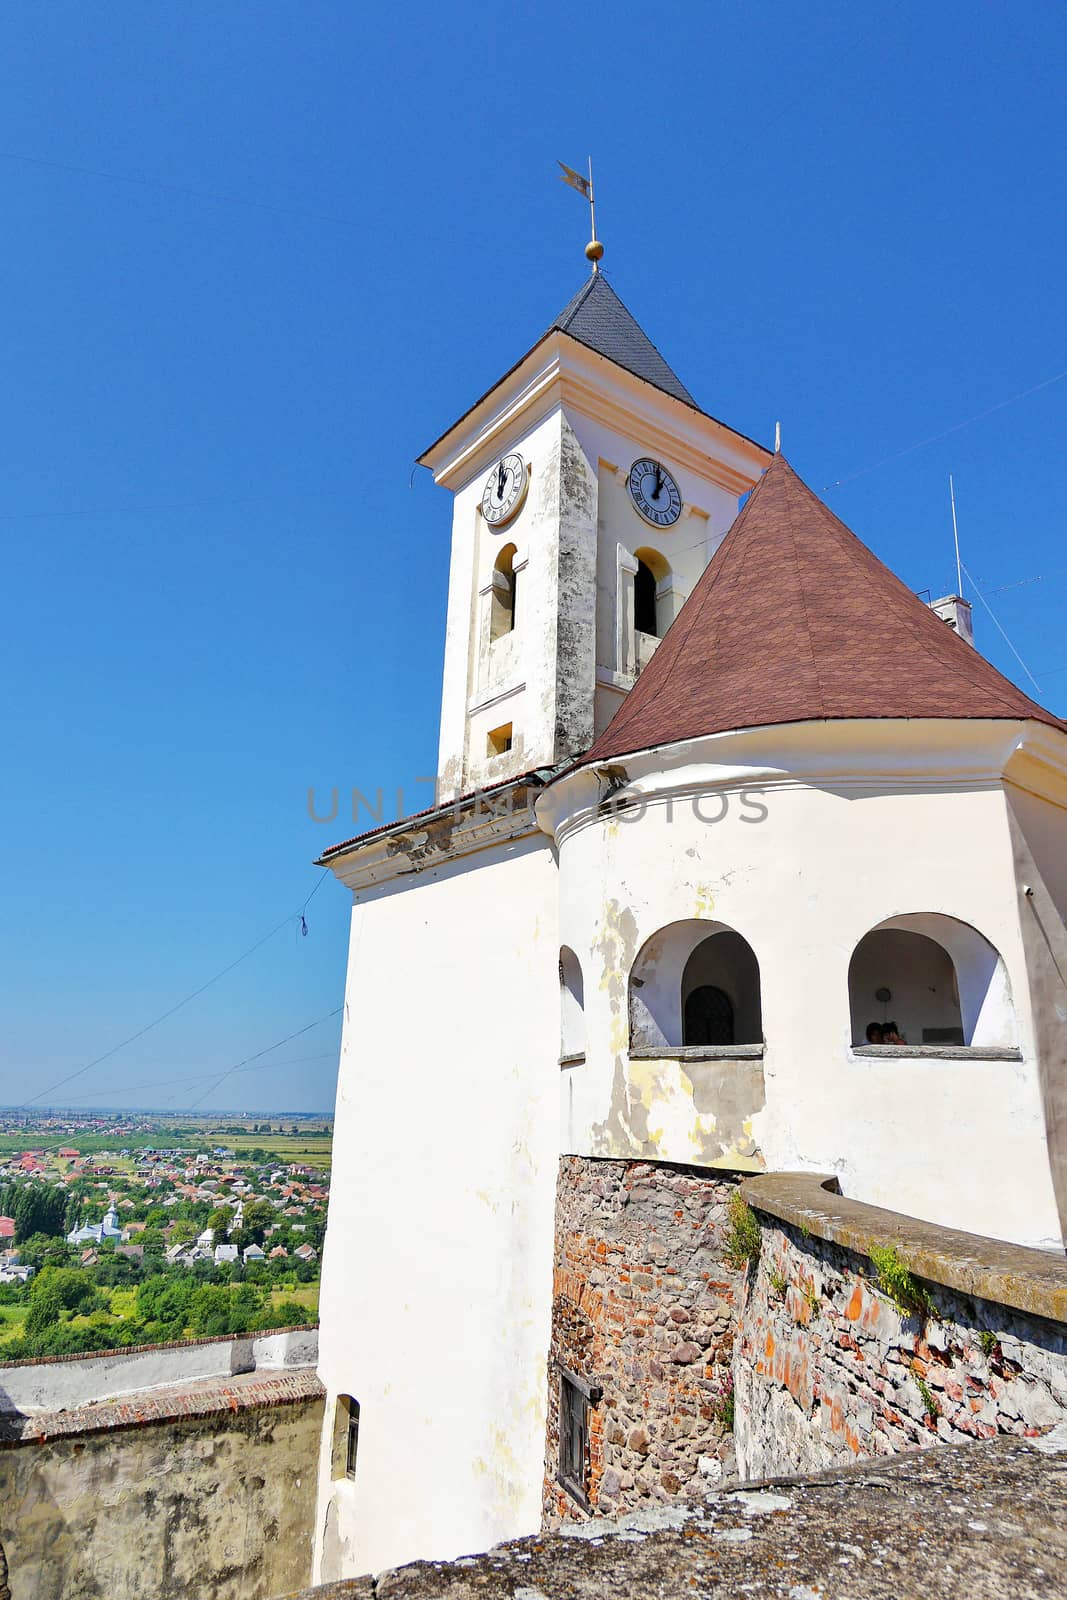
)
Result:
{"points": [[590, 492]]}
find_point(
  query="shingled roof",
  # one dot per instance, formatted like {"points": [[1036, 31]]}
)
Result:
{"points": [[597, 318], [795, 620]]}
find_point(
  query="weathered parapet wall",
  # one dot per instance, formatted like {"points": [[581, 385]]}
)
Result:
{"points": [[643, 1308], [179, 1493], [55, 1382], [947, 1523], [827, 1367]]}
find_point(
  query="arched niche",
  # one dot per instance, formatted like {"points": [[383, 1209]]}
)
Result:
{"points": [[571, 1007], [695, 984], [947, 984]]}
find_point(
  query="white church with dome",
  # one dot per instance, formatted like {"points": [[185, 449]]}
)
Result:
{"points": [[724, 807]]}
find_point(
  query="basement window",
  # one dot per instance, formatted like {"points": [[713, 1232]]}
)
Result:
{"points": [[499, 741], [575, 1398]]}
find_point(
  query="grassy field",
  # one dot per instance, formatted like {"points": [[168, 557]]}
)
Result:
{"points": [[305, 1294], [306, 1148], [283, 1147], [11, 1320]]}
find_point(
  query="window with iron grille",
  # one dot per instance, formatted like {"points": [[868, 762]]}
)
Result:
{"points": [[709, 1017]]}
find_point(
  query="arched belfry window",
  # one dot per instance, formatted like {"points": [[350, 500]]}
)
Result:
{"points": [[649, 610], [502, 614], [695, 985], [644, 599]]}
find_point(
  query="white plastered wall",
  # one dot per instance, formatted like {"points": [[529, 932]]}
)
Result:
{"points": [[960, 1142], [512, 679], [437, 1271]]}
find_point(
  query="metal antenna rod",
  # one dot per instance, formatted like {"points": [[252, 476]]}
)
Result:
{"points": [[595, 259], [955, 536]]}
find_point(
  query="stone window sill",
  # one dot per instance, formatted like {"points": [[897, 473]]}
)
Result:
{"points": [[935, 1052], [697, 1052], [573, 1058]]}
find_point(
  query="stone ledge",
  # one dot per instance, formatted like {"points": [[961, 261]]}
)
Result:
{"points": [[697, 1052], [936, 1052], [1034, 1281], [973, 1521], [248, 1392]]}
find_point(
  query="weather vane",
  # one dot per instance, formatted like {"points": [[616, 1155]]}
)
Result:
{"points": [[594, 249]]}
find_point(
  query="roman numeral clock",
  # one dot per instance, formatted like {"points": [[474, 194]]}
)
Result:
{"points": [[655, 493], [505, 490]]}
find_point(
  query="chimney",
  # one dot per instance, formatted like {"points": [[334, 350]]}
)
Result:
{"points": [[953, 609]]}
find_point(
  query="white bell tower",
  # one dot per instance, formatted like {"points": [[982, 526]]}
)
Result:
{"points": [[590, 493]]}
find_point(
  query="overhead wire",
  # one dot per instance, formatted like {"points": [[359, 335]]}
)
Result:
{"points": [[336, 1012], [935, 438], [194, 994], [199, 1077], [998, 627]]}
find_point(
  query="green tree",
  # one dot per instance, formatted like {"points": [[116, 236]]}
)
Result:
{"points": [[209, 1310], [38, 1208], [40, 1251], [290, 1314], [256, 1218], [45, 1311], [73, 1288], [219, 1223]]}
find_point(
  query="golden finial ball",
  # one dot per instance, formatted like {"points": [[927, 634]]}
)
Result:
{"points": [[594, 250]]}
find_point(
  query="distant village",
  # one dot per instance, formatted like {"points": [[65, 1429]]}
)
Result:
{"points": [[118, 1231]]}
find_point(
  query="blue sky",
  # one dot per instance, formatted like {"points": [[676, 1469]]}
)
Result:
{"points": [[300, 240]]}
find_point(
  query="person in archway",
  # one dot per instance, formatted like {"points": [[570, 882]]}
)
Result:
{"points": [[892, 1035], [875, 1034]]}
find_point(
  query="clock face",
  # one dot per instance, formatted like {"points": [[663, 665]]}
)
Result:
{"points": [[655, 493], [505, 490]]}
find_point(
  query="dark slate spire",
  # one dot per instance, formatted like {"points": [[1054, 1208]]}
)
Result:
{"points": [[597, 318]]}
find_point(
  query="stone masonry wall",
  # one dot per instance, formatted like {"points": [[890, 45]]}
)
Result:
{"points": [[827, 1368], [643, 1307]]}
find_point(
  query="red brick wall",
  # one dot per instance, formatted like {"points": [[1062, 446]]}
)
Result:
{"points": [[643, 1307]]}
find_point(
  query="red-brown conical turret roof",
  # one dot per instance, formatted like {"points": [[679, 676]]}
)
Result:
{"points": [[795, 620]]}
